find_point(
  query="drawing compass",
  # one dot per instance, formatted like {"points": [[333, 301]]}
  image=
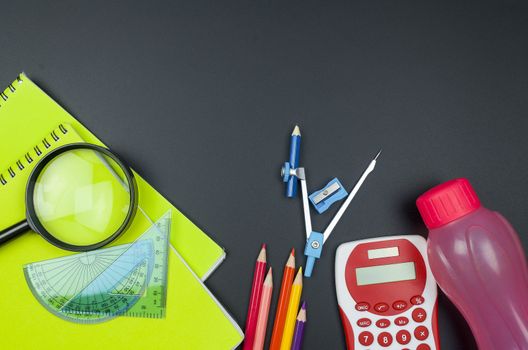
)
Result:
{"points": [[314, 239]]}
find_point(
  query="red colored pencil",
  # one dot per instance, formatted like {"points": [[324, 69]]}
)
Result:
{"points": [[282, 304], [254, 300]]}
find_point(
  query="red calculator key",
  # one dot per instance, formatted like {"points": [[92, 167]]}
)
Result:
{"points": [[383, 323], [421, 333], [417, 300], [419, 315], [403, 337], [381, 307], [365, 338], [401, 321], [399, 305], [423, 347], [385, 339], [364, 322], [362, 306]]}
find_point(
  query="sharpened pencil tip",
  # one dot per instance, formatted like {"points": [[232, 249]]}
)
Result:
{"points": [[269, 277], [296, 131], [263, 246], [298, 277], [291, 260], [292, 252], [301, 316], [262, 254]]}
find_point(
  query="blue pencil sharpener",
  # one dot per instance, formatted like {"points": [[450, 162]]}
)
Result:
{"points": [[325, 197]]}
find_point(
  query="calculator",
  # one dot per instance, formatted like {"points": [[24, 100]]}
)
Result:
{"points": [[387, 295]]}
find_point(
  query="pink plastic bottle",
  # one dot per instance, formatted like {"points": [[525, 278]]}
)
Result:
{"points": [[479, 263]]}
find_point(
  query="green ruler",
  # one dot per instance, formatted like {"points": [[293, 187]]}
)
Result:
{"points": [[126, 280]]}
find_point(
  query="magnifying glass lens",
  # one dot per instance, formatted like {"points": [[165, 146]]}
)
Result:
{"points": [[82, 197]]}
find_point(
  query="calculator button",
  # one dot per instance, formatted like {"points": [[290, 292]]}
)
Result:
{"points": [[417, 300], [366, 338], [421, 333], [399, 305], [383, 323], [364, 322], [403, 337], [363, 306], [419, 315], [401, 321], [423, 347], [385, 339], [381, 307]]}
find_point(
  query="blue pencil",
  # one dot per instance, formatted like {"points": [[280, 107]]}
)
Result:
{"points": [[295, 146]]}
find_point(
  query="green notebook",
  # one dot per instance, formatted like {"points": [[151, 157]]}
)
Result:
{"points": [[31, 124]]}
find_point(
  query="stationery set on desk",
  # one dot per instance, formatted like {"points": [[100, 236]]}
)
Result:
{"points": [[33, 125], [92, 256]]}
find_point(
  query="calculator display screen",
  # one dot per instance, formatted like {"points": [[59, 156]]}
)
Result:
{"points": [[385, 273]]}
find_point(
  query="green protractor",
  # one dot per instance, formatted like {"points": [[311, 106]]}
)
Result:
{"points": [[126, 280]]}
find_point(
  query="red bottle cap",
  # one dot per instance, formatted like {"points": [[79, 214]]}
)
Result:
{"points": [[447, 202]]}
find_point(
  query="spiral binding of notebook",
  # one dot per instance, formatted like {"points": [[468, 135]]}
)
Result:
{"points": [[10, 88], [54, 139]]}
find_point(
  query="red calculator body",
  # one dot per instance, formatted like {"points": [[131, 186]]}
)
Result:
{"points": [[387, 295]]}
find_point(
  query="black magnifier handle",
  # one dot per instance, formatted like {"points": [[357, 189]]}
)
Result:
{"points": [[13, 231]]}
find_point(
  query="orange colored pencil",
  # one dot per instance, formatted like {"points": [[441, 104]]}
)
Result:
{"points": [[282, 304], [262, 322], [254, 300]]}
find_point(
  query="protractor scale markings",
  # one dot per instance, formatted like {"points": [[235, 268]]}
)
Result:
{"points": [[126, 280]]}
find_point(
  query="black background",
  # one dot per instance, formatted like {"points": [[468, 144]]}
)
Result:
{"points": [[201, 98]]}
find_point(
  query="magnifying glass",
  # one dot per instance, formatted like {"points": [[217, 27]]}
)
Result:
{"points": [[79, 197]]}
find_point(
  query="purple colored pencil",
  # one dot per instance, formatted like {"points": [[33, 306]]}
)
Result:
{"points": [[299, 328]]}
